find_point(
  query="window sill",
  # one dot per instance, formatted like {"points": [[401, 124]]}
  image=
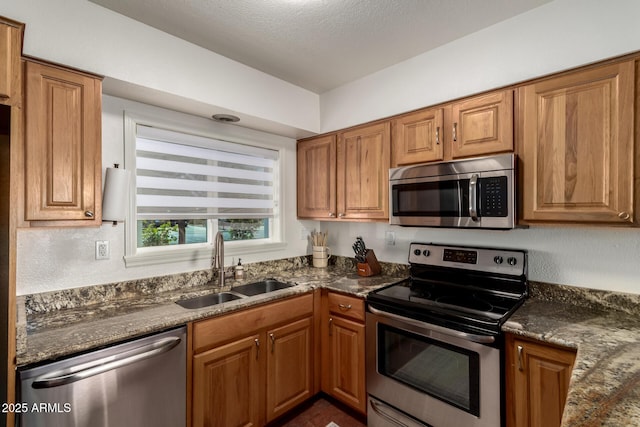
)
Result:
{"points": [[175, 255]]}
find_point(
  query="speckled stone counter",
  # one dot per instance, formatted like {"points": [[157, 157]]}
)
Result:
{"points": [[604, 327], [56, 324]]}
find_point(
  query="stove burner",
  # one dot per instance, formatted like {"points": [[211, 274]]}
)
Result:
{"points": [[471, 302]]}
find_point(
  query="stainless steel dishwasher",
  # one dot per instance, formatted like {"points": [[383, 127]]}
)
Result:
{"points": [[140, 383]]}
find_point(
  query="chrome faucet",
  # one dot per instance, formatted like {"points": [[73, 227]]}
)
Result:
{"points": [[217, 263]]}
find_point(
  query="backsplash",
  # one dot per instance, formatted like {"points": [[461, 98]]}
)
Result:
{"points": [[164, 287]]}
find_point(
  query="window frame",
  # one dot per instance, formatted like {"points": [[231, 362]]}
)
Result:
{"points": [[135, 256]]}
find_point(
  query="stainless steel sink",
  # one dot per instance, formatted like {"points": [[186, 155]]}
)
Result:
{"points": [[262, 287], [207, 300]]}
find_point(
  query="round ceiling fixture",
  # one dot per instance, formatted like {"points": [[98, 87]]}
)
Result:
{"points": [[225, 118]]}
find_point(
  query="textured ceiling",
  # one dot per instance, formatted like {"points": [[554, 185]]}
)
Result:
{"points": [[319, 44]]}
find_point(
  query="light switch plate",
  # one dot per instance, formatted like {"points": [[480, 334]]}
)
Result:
{"points": [[390, 238]]}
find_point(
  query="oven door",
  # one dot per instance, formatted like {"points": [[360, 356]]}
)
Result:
{"points": [[437, 378]]}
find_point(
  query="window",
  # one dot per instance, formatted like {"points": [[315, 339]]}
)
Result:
{"points": [[188, 187]]}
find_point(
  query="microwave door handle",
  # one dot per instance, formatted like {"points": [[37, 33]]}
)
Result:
{"points": [[473, 197]]}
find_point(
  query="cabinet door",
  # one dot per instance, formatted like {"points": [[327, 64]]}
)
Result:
{"points": [[317, 178], [10, 46], [343, 370], [62, 145], [227, 387], [289, 367], [578, 146], [482, 125], [363, 172], [538, 378], [417, 137]]}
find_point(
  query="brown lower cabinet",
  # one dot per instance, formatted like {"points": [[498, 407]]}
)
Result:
{"points": [[343, 357], [252, 366], [537, 382]]}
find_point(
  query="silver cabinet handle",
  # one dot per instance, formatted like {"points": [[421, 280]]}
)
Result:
{"points": [[330, 326], [377, 408], [341, 215], [332, 215], [520, 364], [438, 135], [481, 339], [88, 214], [273, 342], [624, 215], [344, 307], [257, 341], [74, 374], [473, 197], [455, 131]]}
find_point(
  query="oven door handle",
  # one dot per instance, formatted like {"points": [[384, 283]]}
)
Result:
{"points": [[377, 408], [481, 339]]}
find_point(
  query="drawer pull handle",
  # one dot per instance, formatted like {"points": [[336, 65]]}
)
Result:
{"points": [[257, 341], [438, 135], [273, 342], [88, 214], [330, 326], [344, 307], [520, 365], [455, 131]]}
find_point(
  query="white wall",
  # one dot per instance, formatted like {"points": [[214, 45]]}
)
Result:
{"points": [[553, 37], [139, 60], [556, 36], [591, 257], [61, 258], [559, 35]]}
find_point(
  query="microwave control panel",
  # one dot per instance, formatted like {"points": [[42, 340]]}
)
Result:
{"points": [[493, 197]]}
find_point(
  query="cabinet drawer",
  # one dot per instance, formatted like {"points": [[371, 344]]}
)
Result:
{"points": [[212, 332], [346, 306]]}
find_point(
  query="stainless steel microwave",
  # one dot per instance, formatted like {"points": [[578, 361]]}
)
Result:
{"points": [[470, 193]]}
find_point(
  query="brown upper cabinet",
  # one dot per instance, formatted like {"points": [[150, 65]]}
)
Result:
{"points": [[363, 172], [418, 137], [345, 176], [576, 145], [475, 126], [63, 155], [10, 47], [317, 177], [482, 125]]}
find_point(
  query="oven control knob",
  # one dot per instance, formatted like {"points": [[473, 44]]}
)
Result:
{"points": [[497, 259], [417, 252], [512, 261], [426, 252]]}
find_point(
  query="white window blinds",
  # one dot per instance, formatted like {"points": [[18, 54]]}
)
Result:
{"points": [[182, 176]]}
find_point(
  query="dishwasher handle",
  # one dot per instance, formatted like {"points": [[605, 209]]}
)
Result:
{"points": [[80, 372]]}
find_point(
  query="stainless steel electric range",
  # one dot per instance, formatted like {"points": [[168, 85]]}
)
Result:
{"points": [[434, 342]]}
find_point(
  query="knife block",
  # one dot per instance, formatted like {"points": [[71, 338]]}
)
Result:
{"points": [[371, 267]]}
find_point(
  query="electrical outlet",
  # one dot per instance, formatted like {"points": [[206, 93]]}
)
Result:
{"points": [[304, 233], [390, 238], [102, 249]]}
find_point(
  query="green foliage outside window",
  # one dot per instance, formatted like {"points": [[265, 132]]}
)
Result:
{"points": [[158, 235]]}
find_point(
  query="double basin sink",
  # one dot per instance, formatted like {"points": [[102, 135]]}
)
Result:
{"points": [[237, 292]]}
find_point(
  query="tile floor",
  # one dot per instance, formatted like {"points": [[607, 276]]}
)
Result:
{"points": [[320, 413]]}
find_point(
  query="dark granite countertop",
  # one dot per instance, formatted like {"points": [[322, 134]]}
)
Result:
{"points": [[604, 328], [59, 324]]}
